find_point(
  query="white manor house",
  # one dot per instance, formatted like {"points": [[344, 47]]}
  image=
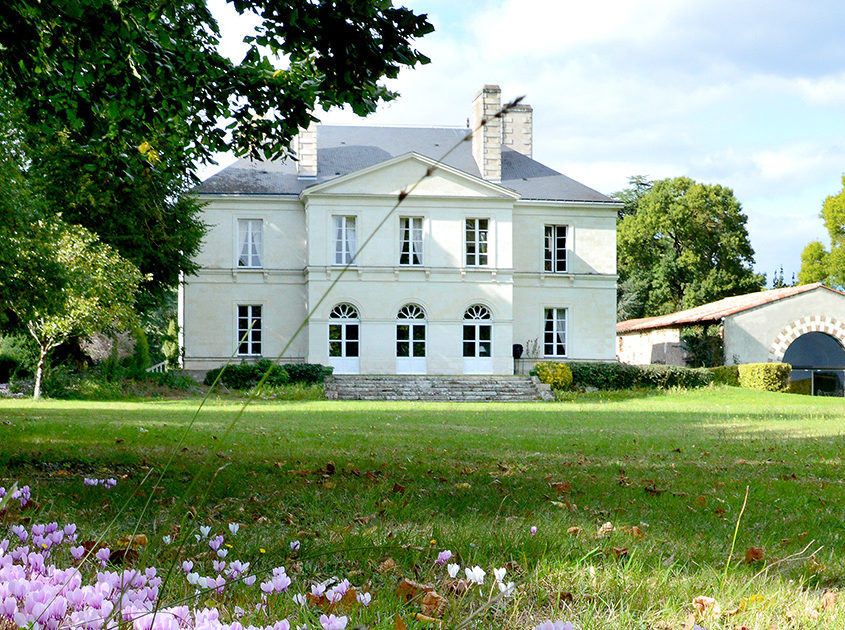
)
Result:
{"points": [[491, 250]]}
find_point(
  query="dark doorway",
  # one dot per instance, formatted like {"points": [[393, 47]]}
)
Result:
{"points": [[818, 364]]}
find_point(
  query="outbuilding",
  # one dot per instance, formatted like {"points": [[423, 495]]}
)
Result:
{"points": [[802, 325]]}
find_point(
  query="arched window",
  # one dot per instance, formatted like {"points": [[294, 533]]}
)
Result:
{"points": [[344, 335], [478, 332], [410, 332]]}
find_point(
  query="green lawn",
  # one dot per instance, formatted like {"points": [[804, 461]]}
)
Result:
{"points": [[475, 478]]}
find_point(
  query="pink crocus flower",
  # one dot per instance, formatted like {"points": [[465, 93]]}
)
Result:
{"points": [[533, 530], [443, 557]]}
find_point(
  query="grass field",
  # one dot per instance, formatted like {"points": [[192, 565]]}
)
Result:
{"points": [[360, 483]]}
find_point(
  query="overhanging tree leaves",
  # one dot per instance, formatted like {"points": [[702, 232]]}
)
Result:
{"points": [[121, 100], [819, 264], [683, 244]]}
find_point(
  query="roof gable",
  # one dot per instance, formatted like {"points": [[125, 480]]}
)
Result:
{"points": [[421, 175]]}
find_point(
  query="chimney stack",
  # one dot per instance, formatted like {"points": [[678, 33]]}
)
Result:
{"points": [[305, 148], [517, 125], [487, 141]]}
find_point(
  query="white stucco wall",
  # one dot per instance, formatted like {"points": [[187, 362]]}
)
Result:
{"points": [[651, 346], [750, 335]]}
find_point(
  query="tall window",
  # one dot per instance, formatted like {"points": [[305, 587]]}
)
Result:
{"points": [[411, 241], [249, 330], [478, 332], [410, 331], [249, 242], [476, 242], [555, 249], [554, 334], [343, 331], [344, 241]]}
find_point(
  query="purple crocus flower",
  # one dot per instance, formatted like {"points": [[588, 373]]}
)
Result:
{"points": [[443, 557]]}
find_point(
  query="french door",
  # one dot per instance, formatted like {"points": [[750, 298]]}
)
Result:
{"points": [[478, 340], [410, 340], [344, 339]]}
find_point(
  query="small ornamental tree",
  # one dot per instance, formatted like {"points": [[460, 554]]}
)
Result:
{"points": [[98, 294]]}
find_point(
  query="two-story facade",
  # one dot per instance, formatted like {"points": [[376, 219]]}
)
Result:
{"points": [[488, 249]]}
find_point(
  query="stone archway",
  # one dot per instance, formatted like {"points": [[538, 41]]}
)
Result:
{"points": [[810, 323]]}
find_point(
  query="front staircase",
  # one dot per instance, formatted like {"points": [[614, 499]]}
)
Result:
{"points": [[442, 388]]}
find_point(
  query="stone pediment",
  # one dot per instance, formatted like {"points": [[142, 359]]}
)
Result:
{"points": [[391, 177]]}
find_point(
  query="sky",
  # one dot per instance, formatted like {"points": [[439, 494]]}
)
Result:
{"points": [[746, 94]]}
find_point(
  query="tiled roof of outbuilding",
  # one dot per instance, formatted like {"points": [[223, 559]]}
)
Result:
{"points": [[345, 149], [715, 311]]}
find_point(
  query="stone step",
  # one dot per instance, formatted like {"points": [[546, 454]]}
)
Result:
{"points": [[435, 388]]}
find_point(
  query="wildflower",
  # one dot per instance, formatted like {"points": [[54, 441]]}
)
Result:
{"points": [[334, 596], [507, 589], [216, 542], [103, 556], [77, 552], [219, 565], [234, 527], [20, 532], [364, 599], [193, 578], [205, 530], [555, 625], [331, 622], [295, 545], [166, 539], [187, 565], [222, 553], [262, 550], [90, 482], [499, 574], [317, 590], [533, 530], [110, 483], [475, 574], [249, 580], [299, 598], [443, 557], [239, 612], [453, 570]]}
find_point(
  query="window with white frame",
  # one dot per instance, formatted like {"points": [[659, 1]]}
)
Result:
{"points": [[249, 329], [476, 242], [555, 249], [410, 240], [249, 243], [344, 240], [554, 332]]}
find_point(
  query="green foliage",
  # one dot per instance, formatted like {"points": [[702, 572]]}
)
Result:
{"points": [[703, 345], [9, 366], [247, 375], [170, 344], [611, 375], [814, 264], [725, 375], [682, 244], [819, 264], [558, 375], [173, 379], [139, 361], [21, 349], [307, 373], [770, 377], [802, 386]]}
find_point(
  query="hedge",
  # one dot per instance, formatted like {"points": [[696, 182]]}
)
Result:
{"points": [[770, 377], [246, 375], [725, 375], [612, 375]]}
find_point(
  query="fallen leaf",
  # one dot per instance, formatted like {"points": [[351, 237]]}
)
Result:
{"points": [[398, 488], [427, 619], [387, 565], [462, 486], [637, 532], [829, 599], [605, 529], [328, 485], [652, 490], [400, 625], [620, 552], [138, 540], [408, 589], [562, 487], [755, 554], [706, 606], [573, 531], [689, 624], [433, 604], [458, 587], [701, 502]]}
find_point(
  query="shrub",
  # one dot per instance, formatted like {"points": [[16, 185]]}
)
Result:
{"points": [[246, 375], [608, 375], [703, 345], [174, 379], [307, 372], [769, 377], [21, 348], [170, 344], [802, 386], [8, 368], [139, 360], [725, 375], [558, 375]]}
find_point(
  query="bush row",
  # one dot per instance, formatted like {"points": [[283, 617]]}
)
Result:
{"points": [[770, 377], [247, 375], [611, 375]]}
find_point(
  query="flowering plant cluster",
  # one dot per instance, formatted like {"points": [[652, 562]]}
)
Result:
{"points": [[105, 483], [22, 495]]}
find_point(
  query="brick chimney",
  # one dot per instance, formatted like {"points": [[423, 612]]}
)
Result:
{"points": [[487, 141], [517, 127], [305, 147]]}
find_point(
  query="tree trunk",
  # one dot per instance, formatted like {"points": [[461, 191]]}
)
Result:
{"points": [[39, 373]]}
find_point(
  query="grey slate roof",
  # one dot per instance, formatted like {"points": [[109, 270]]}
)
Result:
{"points": [[345, 149]]}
